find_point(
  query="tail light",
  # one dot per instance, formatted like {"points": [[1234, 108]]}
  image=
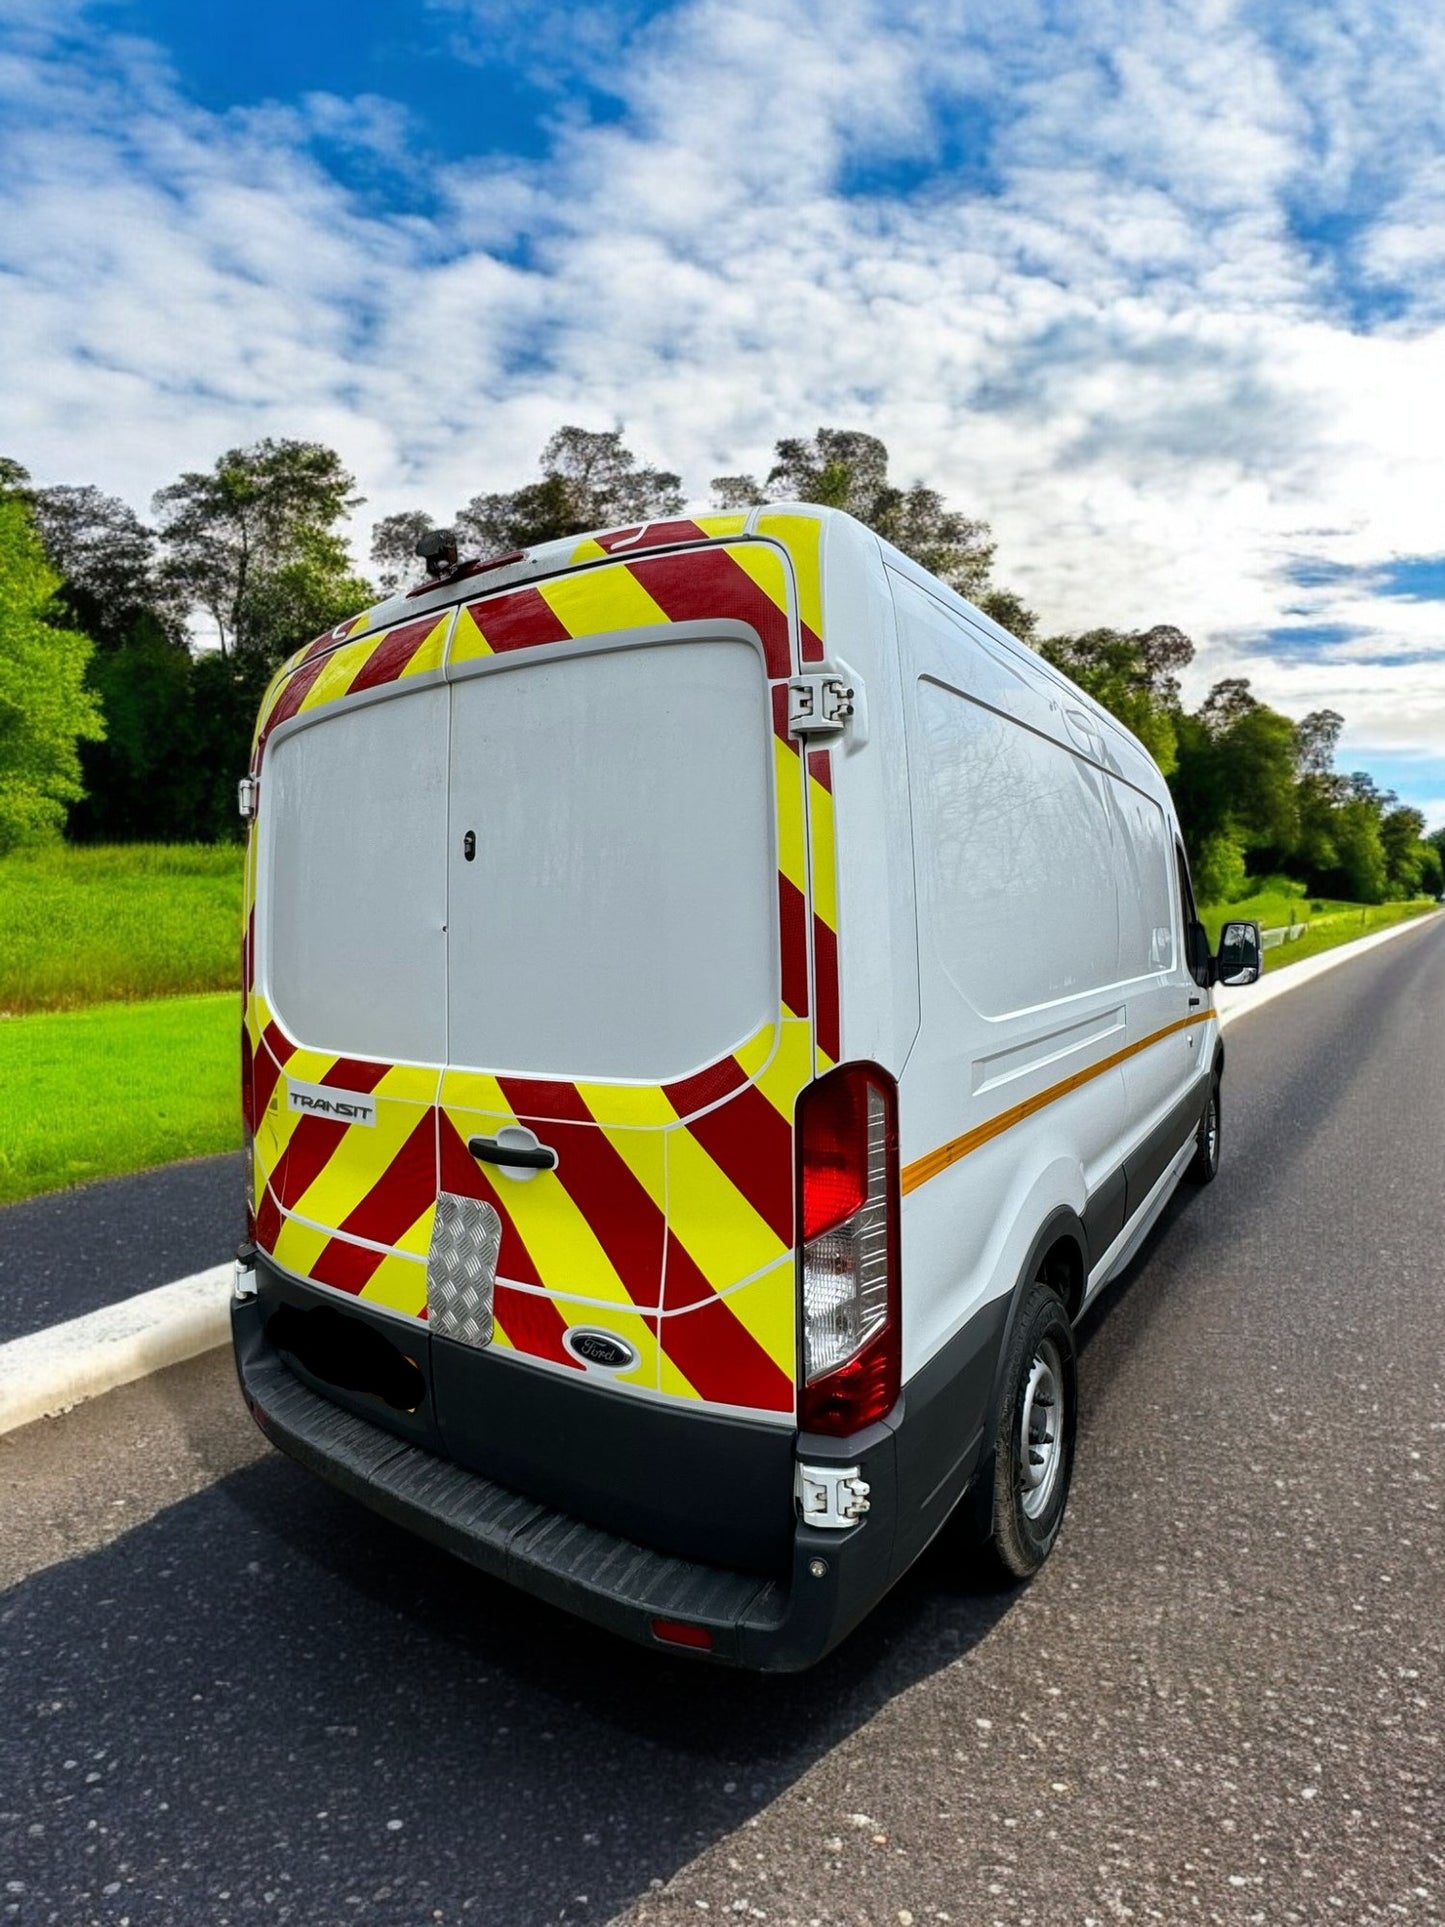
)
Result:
{"points": [[847, 1150], [248, 1127]]}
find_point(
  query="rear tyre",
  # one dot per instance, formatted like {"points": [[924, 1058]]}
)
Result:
{"points": [[1208, 1140], [1033, 1455]]}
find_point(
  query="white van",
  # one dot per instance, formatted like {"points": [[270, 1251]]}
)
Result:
{"points": [[716, 1009]]}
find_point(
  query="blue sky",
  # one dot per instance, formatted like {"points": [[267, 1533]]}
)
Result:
{"points": [[1156, 288]]}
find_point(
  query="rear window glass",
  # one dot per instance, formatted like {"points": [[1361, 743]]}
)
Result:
{"points": [[617, 916]]}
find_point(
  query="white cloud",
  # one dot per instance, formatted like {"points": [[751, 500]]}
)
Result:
{"points": [[1123, 353]]}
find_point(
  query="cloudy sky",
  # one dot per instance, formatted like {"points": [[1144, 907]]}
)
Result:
{"points": [[1155, 288]]}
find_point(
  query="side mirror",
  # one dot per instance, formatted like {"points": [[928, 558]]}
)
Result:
{"points": [[1241, 955]]}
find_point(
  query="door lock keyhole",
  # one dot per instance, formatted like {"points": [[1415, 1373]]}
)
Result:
{"points": [[469, 845]]}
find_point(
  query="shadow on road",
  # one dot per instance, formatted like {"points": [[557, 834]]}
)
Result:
{"points": [[292, 1707]]}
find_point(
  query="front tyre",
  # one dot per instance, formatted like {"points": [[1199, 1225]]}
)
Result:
{"points": [[1033, 1457], [1208, 1140]]}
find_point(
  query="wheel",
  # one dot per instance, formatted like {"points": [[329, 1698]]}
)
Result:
{"points": [[1204, 1165], [1033, 1455]]}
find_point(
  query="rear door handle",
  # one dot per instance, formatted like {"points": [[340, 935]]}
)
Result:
{"points": [[539, 1157]]}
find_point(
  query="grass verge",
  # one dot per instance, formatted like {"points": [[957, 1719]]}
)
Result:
{"points": [[1332, 924], [84, 924], [96, 1093]]}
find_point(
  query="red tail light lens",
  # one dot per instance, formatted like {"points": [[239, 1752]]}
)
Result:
{"points": [[679, 1632], [833, 1120], [847, 1150]]}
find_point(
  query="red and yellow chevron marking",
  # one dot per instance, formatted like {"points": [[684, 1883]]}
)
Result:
{"points": [[669, 1219], [411, 650]]}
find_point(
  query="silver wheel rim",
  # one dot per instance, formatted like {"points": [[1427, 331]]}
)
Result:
{"points": [[1211, 1131], [1041, 1431]]}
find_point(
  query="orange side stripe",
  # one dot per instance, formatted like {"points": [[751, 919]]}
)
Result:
{"points": [[929, 1166]]}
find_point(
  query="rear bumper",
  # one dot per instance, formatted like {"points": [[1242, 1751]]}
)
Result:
{"points": [[780, 1623], [609, 1507]]}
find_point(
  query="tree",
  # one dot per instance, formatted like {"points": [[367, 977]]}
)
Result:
{"points": [[393, 549], [107, 557], [1317, 737], [253, 542], [45, 708], [843, 468], [1134, 675], [590, 480]]}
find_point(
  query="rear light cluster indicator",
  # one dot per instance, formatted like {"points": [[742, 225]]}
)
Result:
{"points": [[848, 1260]]}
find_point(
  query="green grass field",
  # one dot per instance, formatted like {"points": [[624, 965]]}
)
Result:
{"points": [[1330, 922], [94, 1093], [91, 924], [95, 1082]]}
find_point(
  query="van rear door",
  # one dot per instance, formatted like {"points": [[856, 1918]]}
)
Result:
{"points": [[628, 972]]}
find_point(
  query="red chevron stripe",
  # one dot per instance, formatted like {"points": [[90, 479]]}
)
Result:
{"points": [[652, 535], [392, 654], [820, 768], [406, 1188], [723, 1361], [270, 1058], [708, 582], [315, 1140], [812, 644], [752, 1143], [825, 979], [347, 1266], [793, 932], [691, 1094], [780, 715], [292, 696], [533, 1324], [517, 619]]}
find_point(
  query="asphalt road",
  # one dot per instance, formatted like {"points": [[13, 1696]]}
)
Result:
{"points": [[227, 1695], [70, 1252]]}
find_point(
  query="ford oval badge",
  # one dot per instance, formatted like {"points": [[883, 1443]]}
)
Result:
{"points": [[602, 1350]]}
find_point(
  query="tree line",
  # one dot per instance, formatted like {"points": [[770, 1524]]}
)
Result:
{"points": [[133, 654]]}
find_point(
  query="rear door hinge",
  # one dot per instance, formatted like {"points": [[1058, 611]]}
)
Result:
{"points": [[819, 705], [247, 792], [832, 1496]]}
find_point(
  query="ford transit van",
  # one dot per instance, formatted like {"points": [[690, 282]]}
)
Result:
{"points": [[716, 1010]]}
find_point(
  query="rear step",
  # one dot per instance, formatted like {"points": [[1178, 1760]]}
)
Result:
{"points": [[579, 1568]]}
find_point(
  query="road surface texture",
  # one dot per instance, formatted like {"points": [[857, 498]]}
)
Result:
{"points": [[69, 1252], [229, 1696]]}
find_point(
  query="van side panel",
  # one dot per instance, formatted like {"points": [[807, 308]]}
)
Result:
{"points": [[1010, 1108]]}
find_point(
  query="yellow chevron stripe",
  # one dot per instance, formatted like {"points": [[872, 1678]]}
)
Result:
{"points": [[929, 1166], [792, 845], [765, 567], [468, 642], [597, 600], [711, 1218], [399, 1283], [791, 1068], [825, 870], [341, 670], [362, 1157], [802, 536], [298, 1246], [733, 523], [430, 655]]}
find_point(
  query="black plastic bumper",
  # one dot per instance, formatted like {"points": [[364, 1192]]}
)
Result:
{"points": [[773, 1624]]}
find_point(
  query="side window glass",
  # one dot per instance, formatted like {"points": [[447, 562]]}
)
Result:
{"points": [[1195, 947]]}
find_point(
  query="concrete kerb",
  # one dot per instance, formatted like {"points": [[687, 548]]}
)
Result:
{"points": [[49, 1371]]}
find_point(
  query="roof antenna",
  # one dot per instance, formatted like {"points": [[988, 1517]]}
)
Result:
{"points": [[438, 549]]}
